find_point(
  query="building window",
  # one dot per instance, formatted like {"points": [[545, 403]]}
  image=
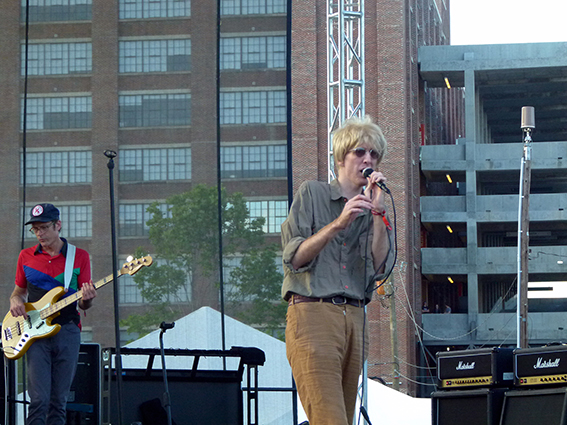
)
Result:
{"points": [[154, 55], [253, 161], [57, 10], [154, 110], [57, 58], [253, 107], [129, 293], [155, 164], [132, 219], [65, 167], [252, 7], [54, 113], [274, 213], [76, 221], [142, 9], [253, 52]]}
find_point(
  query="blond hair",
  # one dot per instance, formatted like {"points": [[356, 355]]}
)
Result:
{"points": [[355, 132]]}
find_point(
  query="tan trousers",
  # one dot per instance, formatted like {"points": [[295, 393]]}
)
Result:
{"points": [[324, 349]]}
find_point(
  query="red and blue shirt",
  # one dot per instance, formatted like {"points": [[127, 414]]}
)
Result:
{"points": [[39, 272]]}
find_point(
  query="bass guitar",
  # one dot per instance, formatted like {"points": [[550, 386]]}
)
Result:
{"points": [[19, 333]]}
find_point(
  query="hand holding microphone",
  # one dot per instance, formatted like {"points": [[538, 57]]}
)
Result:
{"points": [[367, 172]]}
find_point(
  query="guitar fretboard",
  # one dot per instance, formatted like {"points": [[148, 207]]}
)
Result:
{"points": [[59, 305]]}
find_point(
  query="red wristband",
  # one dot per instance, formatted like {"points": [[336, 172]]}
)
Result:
{"points": [[384, 219]]}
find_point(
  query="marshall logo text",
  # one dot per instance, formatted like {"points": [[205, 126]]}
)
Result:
{"points": [[544, 364], [465, 366]]}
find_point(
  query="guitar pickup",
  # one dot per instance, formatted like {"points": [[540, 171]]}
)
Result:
{"points": [[8, 334], [18, 328]]}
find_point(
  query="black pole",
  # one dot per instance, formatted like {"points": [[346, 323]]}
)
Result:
{"points": [[111, 155], [219, 187], [166, 398], [11, 396], [288, 106]]}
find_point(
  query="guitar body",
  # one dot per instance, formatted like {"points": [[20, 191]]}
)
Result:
{"points": [[19, 333]]}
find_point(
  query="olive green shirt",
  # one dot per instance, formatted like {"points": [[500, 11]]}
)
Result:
{"points": [[339, 269]]}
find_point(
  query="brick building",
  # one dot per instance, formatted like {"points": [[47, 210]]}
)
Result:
{"points": [[139, 77]]}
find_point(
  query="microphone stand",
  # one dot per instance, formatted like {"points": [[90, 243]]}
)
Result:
{"points": [[118, 359], [527, 125], [166, 399]]}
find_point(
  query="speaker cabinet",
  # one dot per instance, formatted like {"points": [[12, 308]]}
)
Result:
{"points": [[197, 397], [468, 407], [83, 405], [535, 407]]}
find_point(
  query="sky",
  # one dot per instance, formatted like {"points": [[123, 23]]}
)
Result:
{"points": [[508, 21]]}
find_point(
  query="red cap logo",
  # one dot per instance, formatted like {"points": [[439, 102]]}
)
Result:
{"points": [[37, 211]]}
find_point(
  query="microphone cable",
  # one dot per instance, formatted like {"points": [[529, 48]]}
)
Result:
{"points": [[362, 410]]}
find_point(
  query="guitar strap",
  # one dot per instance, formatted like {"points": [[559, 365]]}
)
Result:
{"points": [[69, 263]]}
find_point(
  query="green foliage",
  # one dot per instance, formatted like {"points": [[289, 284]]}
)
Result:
{"points": [[185, 243], [257, 283], [188, 235]]}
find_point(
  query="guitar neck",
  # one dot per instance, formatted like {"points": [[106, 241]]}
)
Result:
{"points": [[59, 305]]}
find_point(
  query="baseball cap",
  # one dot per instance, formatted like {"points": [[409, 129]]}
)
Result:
{"points": [[43, 213]]}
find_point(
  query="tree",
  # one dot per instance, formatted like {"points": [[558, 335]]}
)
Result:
{"points": [[184, 236], [256, 297]]}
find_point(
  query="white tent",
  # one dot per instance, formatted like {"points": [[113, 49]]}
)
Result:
{"points": [[390, 407], [201, 330]]}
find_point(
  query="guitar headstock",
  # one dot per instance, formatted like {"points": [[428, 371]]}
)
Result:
{"points": [[133, 266]]}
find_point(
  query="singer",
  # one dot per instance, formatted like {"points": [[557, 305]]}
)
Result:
{"points": [[335, 247]]}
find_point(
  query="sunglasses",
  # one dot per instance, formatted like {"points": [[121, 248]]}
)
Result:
{"points": [[361, 152]]}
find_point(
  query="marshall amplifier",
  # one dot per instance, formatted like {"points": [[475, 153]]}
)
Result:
{"points": [[540, 366], [485, 367]]}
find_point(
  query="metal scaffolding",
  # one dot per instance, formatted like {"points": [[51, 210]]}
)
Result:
{"points": [[345, 66]]}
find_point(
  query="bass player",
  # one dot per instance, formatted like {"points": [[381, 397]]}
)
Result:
{"points": [[52, 361]]}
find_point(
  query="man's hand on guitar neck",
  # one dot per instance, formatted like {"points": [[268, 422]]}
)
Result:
{"points": [[89, 292], [17, 302]]}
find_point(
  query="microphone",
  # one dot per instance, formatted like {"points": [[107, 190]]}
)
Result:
{"points": [[366, 173], [110, 154], [164, 326], [528, 117]]}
